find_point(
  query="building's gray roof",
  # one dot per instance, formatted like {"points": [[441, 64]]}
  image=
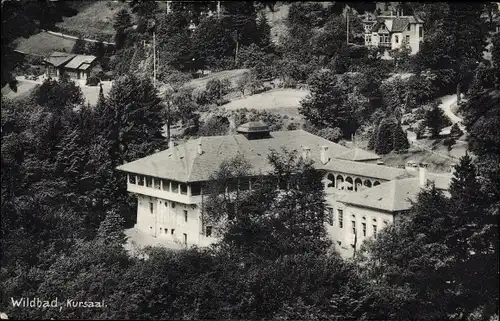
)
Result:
{"points": [[358, 154], [78, 60], [185, 164], [397, 24], [375, 171], [57, 58], [84, 66], [395, 195]]}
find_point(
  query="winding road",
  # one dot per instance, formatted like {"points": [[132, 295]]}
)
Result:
{"points": [[446, 103]]}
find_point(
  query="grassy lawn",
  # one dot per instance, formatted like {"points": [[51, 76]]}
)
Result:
{"points": [[43, 44], [93, 18], [232, 75], [23, 90], [282, 101], [91, 94]]}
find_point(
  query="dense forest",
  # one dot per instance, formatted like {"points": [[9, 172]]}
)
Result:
{"points": [[64, 206]]}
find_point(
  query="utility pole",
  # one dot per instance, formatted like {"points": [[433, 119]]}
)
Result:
{"points": [[152, 27], [154, 59], [347, 18]]}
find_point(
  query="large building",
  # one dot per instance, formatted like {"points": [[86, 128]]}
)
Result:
{"points": [[363, 197], [394, 31]]}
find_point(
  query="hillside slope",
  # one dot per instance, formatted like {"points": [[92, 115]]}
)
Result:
{"points": [[44, 43], [94, 19]]}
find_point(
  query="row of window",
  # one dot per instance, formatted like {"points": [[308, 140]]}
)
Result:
{"points": [[340, 217], [164, 184], [172, 205], [349, 184], [396, 39], [208, 232], [385, 39], [208, 229]]}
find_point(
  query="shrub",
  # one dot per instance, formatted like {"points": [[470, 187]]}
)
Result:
{"points": [[172, 76], [420, 130], [92, 81], [449, 142], [332, 134], [249, 81], [199, 96], [214, 126], [216, 89]]}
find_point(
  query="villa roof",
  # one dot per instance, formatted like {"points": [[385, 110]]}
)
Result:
{"points": [[358, 154], [395, 23], [395, 195], [59, 58], [399, 24], [183, 163], [78, 60]]}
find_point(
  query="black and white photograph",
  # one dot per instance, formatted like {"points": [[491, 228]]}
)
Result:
{"points": [[250, 160]]}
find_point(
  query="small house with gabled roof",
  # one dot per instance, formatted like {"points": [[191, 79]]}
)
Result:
{"points": [[76, 66]]}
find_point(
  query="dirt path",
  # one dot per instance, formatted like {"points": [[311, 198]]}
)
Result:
{"points": [[446, 103]]}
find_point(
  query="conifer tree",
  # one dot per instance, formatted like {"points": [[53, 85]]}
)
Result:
{"points": [[79, 46], [400, 139], [455, 131], [122, 20], [111, 230], [410, 263], [133, 117], [495, 57], [264, 31], [385, 136], [436, 119]]}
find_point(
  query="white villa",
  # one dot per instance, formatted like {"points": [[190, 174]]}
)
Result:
{"points": [[393, 31], [362, 197]]}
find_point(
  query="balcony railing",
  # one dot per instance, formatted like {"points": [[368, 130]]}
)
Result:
{"points": [[168, 195]]}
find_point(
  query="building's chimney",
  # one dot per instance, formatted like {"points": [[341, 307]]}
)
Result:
{"points": [[422, 175], [324, 154], [199, 150], [232, 125], [453, 168], [306, 154], [171, 148]]}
